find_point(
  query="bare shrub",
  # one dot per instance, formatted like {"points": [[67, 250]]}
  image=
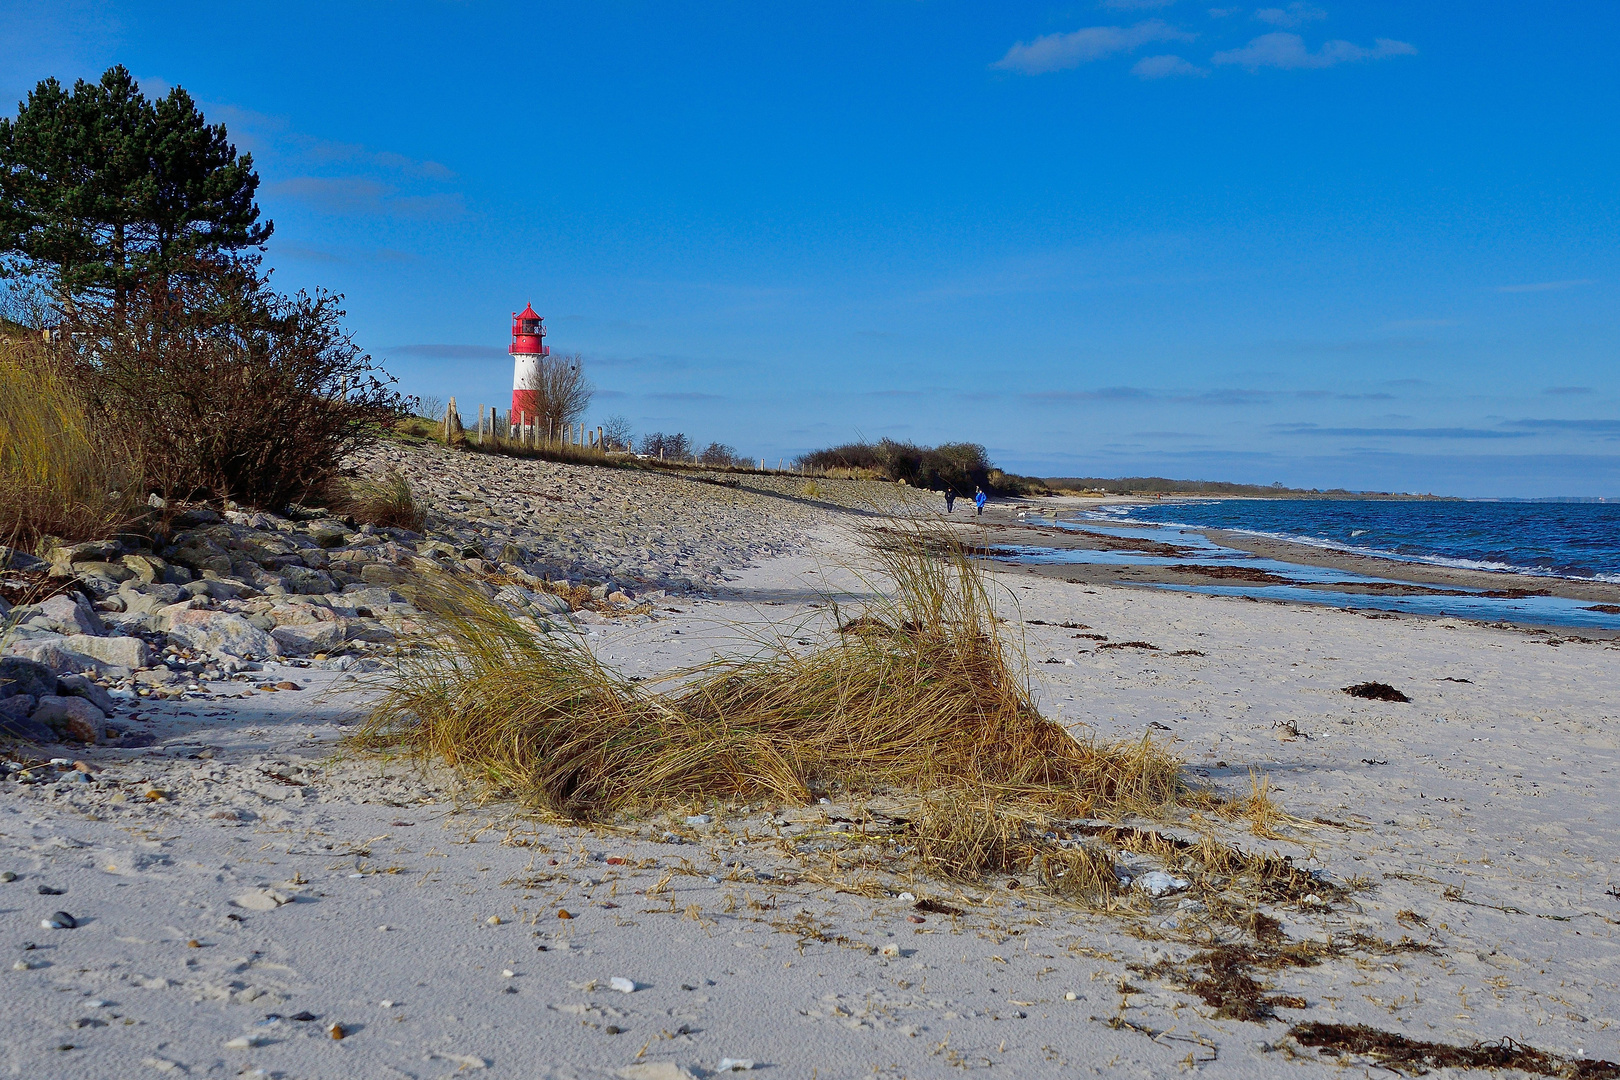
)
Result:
{"points": [[616, 432], [224, 388], [562, 393], [719, 454], [675, 447]]}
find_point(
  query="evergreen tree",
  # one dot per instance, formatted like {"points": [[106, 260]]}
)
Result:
{"points": [[101, 186]]}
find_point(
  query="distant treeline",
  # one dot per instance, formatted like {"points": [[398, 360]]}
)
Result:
{"points": [[1157, 485], [958, 467]]}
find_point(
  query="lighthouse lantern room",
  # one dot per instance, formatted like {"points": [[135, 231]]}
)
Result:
{"points": [[527, 348]]}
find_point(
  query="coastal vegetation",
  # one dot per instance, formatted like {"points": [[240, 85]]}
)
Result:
{"points": [[149, 354], [958, 467]]}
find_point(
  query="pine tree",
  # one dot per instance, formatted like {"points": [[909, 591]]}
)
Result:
{"points": [[101, 186]]}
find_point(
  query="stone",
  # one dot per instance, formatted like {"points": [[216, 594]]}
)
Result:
{"points": [[52, 653], [151, 598], [15, 722], [308, 638], [129, 652], [655, 1070], [261, 900], [22, 676], [622, 985], [65, 614], [199, 553], [72, 718], [307, 582], [147, 569], [220, 632], [59, 920], [79, 686], [383, 574], [328, 533], [89, 551], [551, 603]]}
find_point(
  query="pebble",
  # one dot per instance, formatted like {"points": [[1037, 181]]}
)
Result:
{"points": [[22, 965], [262, 900], [1071, 996], [7, 875], [699, 819], [890, 950], [905, 898], [508, 973], [493, 920], [336, 1031], [1157, 883], [385, 1003], [563, 913], [735, 1065], [622, 985], [241, 1042], [59, 920]]}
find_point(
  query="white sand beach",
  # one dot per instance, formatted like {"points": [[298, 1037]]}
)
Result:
{"points": [[246, 882]]}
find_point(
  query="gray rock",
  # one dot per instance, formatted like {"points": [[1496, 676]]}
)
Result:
{"points": [[12, 559], [129, 652], [81, 687], [383, 574], [15, 722], [150, 598], [64, 613], [53, 653], [302, 640], [328, 533], [224, 588], [22, 676], [551, 603], [199, 553], [147, 569], [220, 632], [72, 718], [89, 551], [301, 579]]}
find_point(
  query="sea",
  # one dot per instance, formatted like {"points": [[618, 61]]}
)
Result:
{"points": [[1573, 540]]}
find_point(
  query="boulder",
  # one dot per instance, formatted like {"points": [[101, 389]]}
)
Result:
{"points": [[53, 653], [73, 718], [15, 722], [64, 613], [129, 652], [89, 551], [12, 559], [148, 569], [328, 533], [199, 553], [307, 638], [383, 574], [220, 632], [80, 687], [301, 579], [19, 676]]}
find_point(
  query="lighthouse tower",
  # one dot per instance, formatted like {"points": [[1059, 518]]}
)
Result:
{"points": [[528, 346]]}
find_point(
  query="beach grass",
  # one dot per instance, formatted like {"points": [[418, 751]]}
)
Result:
{"points": [[59, 476]]}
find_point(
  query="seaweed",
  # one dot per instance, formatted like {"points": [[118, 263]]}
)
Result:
{"points": [[1376, 691], [1415, 1057]]}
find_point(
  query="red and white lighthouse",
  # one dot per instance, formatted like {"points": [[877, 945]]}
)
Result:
{"points": [[528, 346]]}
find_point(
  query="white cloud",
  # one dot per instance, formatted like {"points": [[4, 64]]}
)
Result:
{"points": [[1054, 52], [1283, 50], [1296, 14], [1162, 67]]}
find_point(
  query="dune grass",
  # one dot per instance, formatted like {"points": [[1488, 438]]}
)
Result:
{"points": [[385, 502], [918, 700], [58, 475]]}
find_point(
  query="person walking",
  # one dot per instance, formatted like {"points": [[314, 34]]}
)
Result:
{"points": [[950, 500], [979, 499]]}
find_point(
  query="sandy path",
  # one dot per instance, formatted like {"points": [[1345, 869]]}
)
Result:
{"points": [[1487, 827]]}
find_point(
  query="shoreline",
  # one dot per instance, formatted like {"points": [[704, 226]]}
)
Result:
{"points": [[1391, 577]]}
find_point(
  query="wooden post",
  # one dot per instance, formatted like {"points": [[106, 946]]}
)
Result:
{"points": [[481, 425], [599, 447]]}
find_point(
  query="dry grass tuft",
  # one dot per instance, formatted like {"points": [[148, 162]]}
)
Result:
{"points": [[388, 502], [58, 476], [931, 704]]}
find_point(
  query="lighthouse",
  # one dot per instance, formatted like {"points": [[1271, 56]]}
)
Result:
{"points": [[527, 348]]}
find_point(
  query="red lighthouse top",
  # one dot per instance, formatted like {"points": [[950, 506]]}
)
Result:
{"points": [[528, 332]]}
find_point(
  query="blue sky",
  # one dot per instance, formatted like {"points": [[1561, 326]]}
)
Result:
{"points": [[1368, 245]]}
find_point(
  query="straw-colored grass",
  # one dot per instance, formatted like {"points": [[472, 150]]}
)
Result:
{"points": [[930, 703], [58, 476], [385, 502]]}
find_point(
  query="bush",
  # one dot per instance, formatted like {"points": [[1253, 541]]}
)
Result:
{"points": [[59, 475], [722, 455], [958, 467], [675, 447], [224, 388]]}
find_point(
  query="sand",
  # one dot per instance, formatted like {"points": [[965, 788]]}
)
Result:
{"points": [[1479, 819]]}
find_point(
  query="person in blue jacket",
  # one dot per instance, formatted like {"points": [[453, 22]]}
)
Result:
{"points": [[979, 499]]}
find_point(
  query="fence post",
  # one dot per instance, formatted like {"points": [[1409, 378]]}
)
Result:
{"points": [[481, 424]]}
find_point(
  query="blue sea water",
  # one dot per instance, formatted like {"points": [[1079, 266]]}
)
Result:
{"points": [[1572, 540], [1569, 540]]}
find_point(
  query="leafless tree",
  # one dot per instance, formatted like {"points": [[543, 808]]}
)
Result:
{"points": [[562, 393]]}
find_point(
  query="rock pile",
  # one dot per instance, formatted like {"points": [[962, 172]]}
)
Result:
{"points": [[213, 597]]}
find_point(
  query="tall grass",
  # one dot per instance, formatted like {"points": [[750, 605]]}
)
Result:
{"points": [[58, 475], [384, 502], [924, 701]]}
